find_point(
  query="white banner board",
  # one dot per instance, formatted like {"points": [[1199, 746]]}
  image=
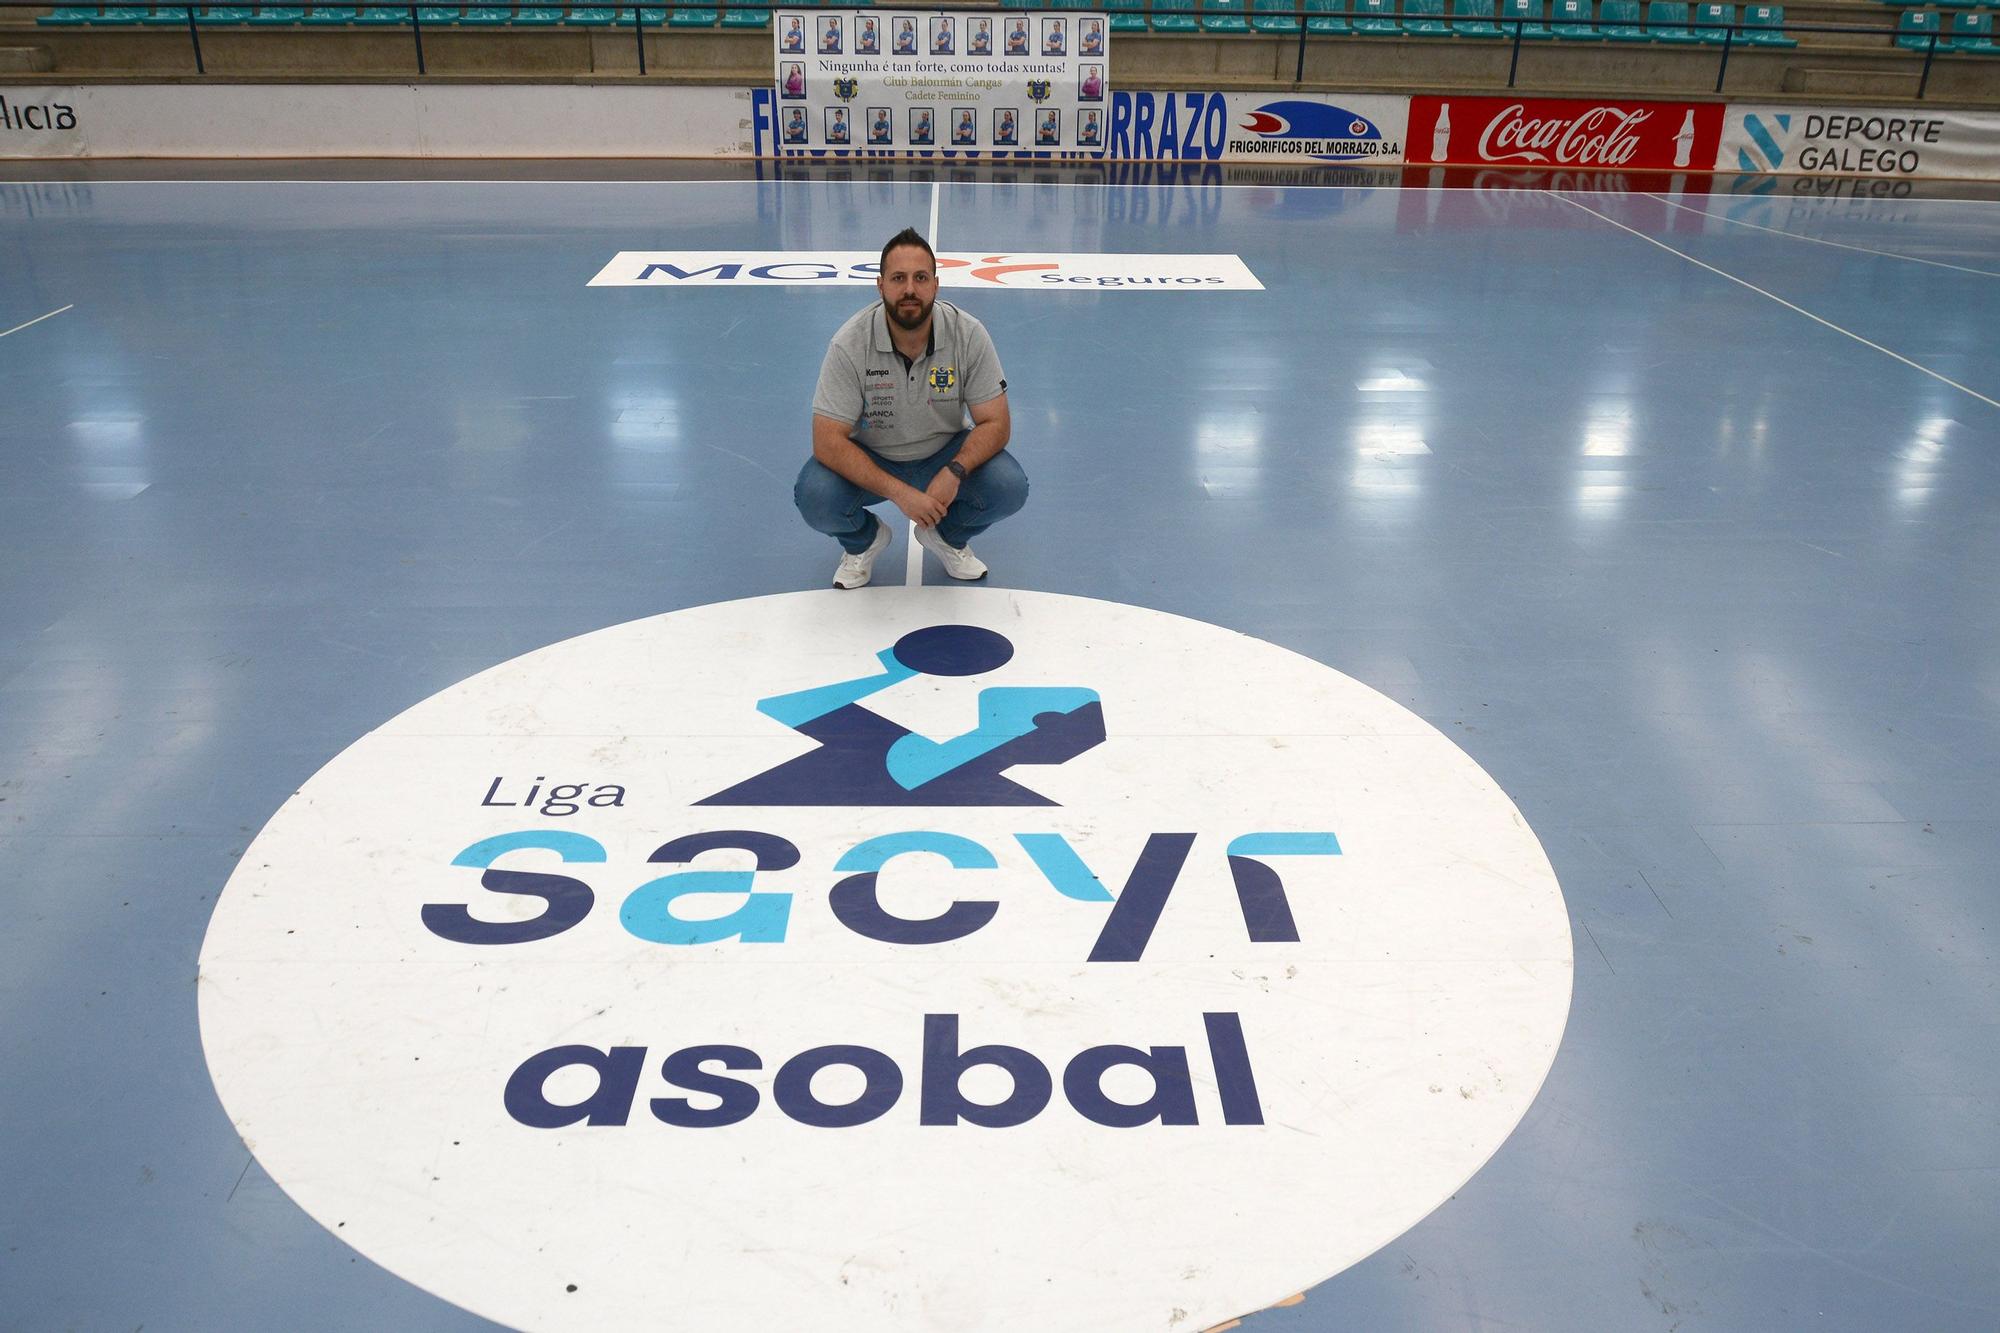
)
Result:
{"points": [[373, 120], [1867, 141], [892, 80], [1013, 271]]}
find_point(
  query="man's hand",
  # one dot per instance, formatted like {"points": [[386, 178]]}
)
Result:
{"points": [[923, 508], [943, 488]]}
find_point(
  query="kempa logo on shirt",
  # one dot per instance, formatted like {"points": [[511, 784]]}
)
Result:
{"points": [[654, 959], [1010, 271]]}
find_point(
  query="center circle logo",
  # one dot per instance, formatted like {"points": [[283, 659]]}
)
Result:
{"points": [[919, 959]]}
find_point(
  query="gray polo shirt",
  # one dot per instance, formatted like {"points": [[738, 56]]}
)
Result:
{"points": [[906, 410]]}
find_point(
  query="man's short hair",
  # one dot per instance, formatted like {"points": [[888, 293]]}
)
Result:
{"points": [[907, 236]]}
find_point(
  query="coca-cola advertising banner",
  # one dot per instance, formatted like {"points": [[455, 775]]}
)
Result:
{"points": [[1576, 133]]}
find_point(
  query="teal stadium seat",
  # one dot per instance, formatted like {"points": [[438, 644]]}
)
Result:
{"points": [[381, 16], [224, 15], [1667, 22], [1712, 22], [1376, 18], [1570, 21], [1327, 18], [1425, 18], [1474, 18], [277, 16], [165, 15], [1763, 26], [1618, 21], [746, 18], [69, 16], [1127, 15], [486, 16], [1529, 14], [1275, 16], [436, 16], [1972, 34], [538, 16], [691, 18], [590, 16], [1956, 4], [327, 16], [120, 15], [1223, 16], [1918, 28], [1173, 16]]}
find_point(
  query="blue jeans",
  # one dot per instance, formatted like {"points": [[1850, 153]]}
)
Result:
{"points": [[832, 504]]}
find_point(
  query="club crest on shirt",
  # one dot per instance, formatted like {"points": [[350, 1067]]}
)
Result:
{"points": [[943, 378]]}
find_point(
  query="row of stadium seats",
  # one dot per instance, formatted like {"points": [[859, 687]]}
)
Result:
{"points": [[1969, 32], [1667, 22], [489, 16]]}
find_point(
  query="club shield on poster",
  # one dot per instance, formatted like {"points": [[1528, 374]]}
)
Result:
{"points": [[890, 80]]}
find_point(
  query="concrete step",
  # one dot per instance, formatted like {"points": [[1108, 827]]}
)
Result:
{"points": [[1850, 82], [25, 59]]}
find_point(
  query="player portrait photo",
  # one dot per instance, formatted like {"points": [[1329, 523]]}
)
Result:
{"points": [[879, 128], [795, 124], [1090, 128], [906, 36], [979, 37], [1090, 84], [1017, 37], [792, 78], [792, 34], [941, 35], [1090, 37], [1006, 127], [1055, 37], [964, 129], [921, 131], [829, 35], [836, 124], [868, 41], [1048, 128]]}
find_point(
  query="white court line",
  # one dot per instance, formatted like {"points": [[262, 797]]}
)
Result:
{"points": [[39, 318], [1780, 300], [913, 560], [1840, 245]]}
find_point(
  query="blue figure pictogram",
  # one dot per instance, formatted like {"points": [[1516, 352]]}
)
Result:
{"points": [[865, 759]]}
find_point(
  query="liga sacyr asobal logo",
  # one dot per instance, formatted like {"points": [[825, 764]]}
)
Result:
{"points": [[903, 960], [862, 758]]}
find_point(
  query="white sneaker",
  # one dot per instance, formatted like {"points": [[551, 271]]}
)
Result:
{"points": [[958, 561], [854, 571]]}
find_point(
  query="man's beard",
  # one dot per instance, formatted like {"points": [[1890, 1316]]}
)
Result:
{"points": [[908, 323]]}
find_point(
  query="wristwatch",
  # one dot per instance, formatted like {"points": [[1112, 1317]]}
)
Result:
{"points": [[955, 469]]}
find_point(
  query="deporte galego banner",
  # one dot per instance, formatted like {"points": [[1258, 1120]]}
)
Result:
{"points": [[1848, 141], [894, 80]]}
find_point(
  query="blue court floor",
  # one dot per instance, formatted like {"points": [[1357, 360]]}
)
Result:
{"points": [[1680, 513]]}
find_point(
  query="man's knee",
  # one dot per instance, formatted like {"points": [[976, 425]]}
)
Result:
{"points": [[818, 487], [825, 499], [1003, 485]]}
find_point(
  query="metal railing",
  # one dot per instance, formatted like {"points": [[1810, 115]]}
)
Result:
{"points": [[1735, 36]]}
